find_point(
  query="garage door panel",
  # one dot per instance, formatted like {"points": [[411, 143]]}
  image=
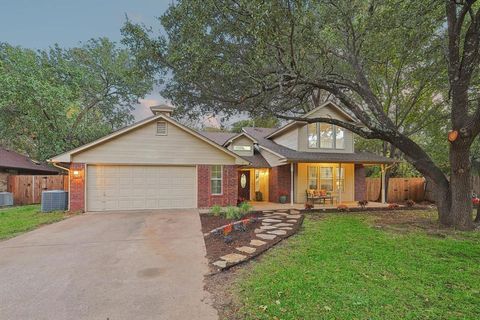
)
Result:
{"points": [[140, 187]]}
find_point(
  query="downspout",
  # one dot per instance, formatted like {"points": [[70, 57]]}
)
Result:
{"points": [[68, 170]]}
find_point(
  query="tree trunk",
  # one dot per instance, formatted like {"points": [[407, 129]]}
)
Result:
{"points": [[460, 186]]}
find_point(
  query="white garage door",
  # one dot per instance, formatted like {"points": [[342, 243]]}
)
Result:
{"points": [[140, 187]]}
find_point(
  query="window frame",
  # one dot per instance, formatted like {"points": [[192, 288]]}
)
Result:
{"points": [[338, 178], [333, 137], [317, 142], [216, 179], [166, 128], [319, 138]]}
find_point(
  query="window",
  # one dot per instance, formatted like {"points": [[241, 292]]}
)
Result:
{"points": [[326, 135], [161, 128], [312, 178], [216, 179], [312, 135], [340, 179], [339, 138], [242, 148], [326, 178]]}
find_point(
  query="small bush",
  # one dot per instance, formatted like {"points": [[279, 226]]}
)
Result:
{"points": [[393, 206], [232, 213], [343, 207], [410, 203], [216, 210], [244, 208], [309, 205], [363, 203]]}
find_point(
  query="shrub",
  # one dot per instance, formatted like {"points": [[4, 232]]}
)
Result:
{"points": [[232, 213], [363, 203], [342, 207], [410, 203], [216, 210], [393, 206], [244, 208], [309, 205]]}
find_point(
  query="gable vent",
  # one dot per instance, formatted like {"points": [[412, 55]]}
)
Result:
{"points": [[161, 128]]}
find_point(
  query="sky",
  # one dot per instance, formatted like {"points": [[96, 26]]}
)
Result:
{"points": [[38, 24]]}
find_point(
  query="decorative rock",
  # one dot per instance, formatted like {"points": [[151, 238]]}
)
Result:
{"points": [[259, 230], [278, 232], [285, 228], [246, 249], [233, 257], [294, 216], [220, 263], [266, 236], [257, 243], [282, 225], [268, 227], [265, 224], [292, 221], [271, 220], [281, 214]]}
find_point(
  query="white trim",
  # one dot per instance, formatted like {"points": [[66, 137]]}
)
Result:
{"points": [[196, 186], [221, 180], [85, 181], [285, 127], [67, 156]]}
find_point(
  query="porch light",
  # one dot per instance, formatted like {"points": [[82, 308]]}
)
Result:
{"points": [[76, 173]]}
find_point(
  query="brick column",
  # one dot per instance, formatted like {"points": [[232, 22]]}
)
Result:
{"points": [[279, 182], [360, 183], [77, 187]]}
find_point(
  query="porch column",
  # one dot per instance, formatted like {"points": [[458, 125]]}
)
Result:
{"points": [[382, 167], [339, 188], [291, 184]]}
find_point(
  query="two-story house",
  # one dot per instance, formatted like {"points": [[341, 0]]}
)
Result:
{"points": [[159, 163]]}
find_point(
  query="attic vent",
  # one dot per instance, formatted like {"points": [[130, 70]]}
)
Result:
{"points": [[161, 128]]}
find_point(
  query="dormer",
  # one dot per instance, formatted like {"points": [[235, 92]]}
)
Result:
{"points": [[317, 137], [242, 144]]}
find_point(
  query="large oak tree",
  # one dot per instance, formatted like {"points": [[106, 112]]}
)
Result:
{"points": [[271, 57]]}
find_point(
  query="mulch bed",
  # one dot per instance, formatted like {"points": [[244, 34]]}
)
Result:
{"points": [[217, 247]]}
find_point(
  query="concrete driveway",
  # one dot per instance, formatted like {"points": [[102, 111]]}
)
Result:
{"points": [[120, 265]]}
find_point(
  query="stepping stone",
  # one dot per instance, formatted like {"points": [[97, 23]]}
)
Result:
{"points": [[259, 230], [268, 227], [294, 211], [265, 223], [292, 221], [278, 232], [220, 263], [271, 220], [257, 243], [282, 214], [266, 236], [294, 216], [282, 225], [233, 257], [285, 228], [246, 249]]}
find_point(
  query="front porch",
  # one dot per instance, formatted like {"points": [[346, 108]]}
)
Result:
{"points": [[272, 206]]}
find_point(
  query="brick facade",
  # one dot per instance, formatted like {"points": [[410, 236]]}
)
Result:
{"points": [[279, 182], [77, 187], [229, 195], [360, 183]]}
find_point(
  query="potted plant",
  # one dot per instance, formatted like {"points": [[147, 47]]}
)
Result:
{"points": [[283, 197]]}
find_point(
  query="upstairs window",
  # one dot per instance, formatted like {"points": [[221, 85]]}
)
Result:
{"points": [[325, 136]]}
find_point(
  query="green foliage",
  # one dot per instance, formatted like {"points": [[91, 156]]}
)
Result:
{"points": [[25, 218], [270, 122], [342, 268], [216, 210], [245, 208], [57, 99], [233, 213]]}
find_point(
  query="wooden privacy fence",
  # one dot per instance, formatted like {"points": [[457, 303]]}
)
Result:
{"points": [[399, 189], [28, 189]]}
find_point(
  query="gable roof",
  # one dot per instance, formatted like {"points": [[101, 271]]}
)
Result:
{"points": [[295, 123], [13, 160], [291, 155], [66, 157]]}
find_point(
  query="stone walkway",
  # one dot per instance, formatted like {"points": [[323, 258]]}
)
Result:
{"points": [[274, 223]]}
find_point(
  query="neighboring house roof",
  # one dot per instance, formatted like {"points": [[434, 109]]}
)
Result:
{"points": [[260, 135], [66, 157], [13, 160]]}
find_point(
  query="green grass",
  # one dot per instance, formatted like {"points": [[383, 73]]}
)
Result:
{"points": [[341, 267], [16, 220]]}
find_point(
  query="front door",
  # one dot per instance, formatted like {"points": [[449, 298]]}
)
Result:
{"points": [[244, 185]]}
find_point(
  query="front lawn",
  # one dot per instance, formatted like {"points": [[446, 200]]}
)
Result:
{"points": [[356, 267], [21, 219]]}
